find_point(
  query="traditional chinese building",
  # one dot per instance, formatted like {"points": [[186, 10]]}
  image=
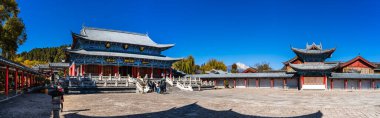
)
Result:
{"points": [[307, 70], [107, 52], [311, 69]]}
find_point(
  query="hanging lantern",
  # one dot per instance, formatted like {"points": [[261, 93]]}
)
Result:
{"points": [[126, 46], [141, 48], [108, 45]]}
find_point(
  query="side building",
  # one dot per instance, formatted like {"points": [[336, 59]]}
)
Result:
{"points": [[307, 70], [113, 53]]}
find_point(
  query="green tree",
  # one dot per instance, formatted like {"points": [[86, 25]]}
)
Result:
{"points": [[234, 68], [186, 65], [12, 28], [213, 64], [51, 54], [263, 66]]}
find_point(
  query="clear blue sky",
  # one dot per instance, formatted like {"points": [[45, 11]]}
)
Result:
{"points": [[244, 31]]}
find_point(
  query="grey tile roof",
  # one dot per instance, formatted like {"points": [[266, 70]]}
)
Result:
{"points": [[377, 64], [59, 64], [116, 36], [314, 45], [313, 51], [243, 75], [17, 65], [118, 54], [313, 66], [354, 76]]}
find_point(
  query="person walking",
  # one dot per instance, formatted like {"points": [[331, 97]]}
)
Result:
{"points": [[61, 93]]}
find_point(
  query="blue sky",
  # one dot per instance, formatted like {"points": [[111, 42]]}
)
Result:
{"points": [[246, 31]]}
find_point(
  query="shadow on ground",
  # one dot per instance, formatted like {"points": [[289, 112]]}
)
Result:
{"points": [[189, 111]]}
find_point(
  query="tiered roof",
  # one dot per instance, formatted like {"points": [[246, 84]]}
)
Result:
{"points": [[313, 53], [313, 57], [116, 36], [313, 66], [118, 54]]}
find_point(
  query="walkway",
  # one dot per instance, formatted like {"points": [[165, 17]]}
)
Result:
{"points": [[34, 105]]}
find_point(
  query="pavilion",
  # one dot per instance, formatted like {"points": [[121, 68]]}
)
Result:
{"points": [[113, 53]]}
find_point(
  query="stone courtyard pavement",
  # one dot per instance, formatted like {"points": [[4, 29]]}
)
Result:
{"points": [[212, 103], [228, 103]]}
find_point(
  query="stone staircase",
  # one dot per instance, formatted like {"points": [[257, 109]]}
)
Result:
{"points": [[87, 90]]}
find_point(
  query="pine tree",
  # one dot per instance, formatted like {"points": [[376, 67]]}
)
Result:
{"points": [[12, 28]]}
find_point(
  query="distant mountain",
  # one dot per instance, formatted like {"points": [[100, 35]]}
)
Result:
{"points": [[240, 66]]}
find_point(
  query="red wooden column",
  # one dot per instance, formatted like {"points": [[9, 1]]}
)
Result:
{"points": [[170, 75], [27, 80], [118, 70], [234, 83], [271, 83], [360, 84], [332, 84], [325, 81], [114, 70], [257, 83], [82, 69], [6, 80], [32, 80], [345, 84], [132, 72], [64, 73], [101, 70], [70, 71], [74, 70], [151, 72], [159, 72], [245, 82], [138, 71], [165, 73], [215, 82], [16, 79], [22, 80], [284, 83]]}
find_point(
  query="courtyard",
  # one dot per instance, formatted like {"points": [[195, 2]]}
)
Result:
{"points": [[210, 103]]}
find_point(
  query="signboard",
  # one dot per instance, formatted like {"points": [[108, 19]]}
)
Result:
{"points": [[129, 60], [145, 62], [111, 60]]}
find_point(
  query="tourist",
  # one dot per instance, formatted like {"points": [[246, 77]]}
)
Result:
{"points": [[158, 87], [60, 90], [163, 86], [154, 86], [151, 86]]}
